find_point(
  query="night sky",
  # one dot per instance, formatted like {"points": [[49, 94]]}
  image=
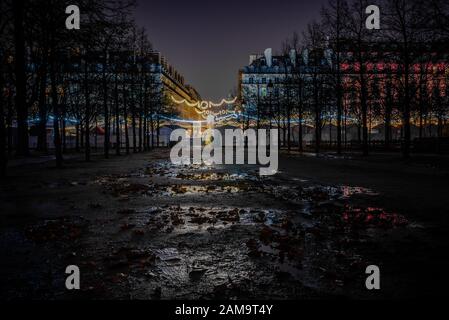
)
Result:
{"points": [[208, 41]]}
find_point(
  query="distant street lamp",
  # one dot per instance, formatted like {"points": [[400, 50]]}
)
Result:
{"points": [[244, 110]]}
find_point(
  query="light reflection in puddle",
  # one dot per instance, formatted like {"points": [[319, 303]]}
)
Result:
{"points": [[193, 189], [348, 191]]}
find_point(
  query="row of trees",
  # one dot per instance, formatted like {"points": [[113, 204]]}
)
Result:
{"points": [[339, 72], [75, 77]]}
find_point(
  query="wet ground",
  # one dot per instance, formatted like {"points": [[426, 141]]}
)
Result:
{"points": [[140, 227]]}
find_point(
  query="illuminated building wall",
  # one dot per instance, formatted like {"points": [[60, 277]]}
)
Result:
{"points": [[271, 80]]}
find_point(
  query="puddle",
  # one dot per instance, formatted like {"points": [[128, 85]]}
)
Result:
{"points": [[372, 217], [215, 176], [315, 193], [348, 191], [168, 255], [193, 189]]}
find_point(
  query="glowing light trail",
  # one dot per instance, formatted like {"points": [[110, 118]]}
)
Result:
{"points": [[204, 104], [184, 101], [202, 107]]}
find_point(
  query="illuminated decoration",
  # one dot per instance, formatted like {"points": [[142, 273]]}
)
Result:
{"points": [[184, 101], [223, 101], [51, 118], [203, 107]]}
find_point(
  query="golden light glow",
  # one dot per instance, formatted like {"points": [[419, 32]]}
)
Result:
{"points": [[203, 107], [184, 101]]}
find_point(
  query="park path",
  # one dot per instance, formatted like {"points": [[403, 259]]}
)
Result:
{"points": [[140, 227]]}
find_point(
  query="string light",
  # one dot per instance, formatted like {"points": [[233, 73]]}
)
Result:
{"points": [[223, 101], [184, 101], [202, 107]]}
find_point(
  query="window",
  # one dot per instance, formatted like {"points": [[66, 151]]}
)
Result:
{"points": [[251, 80]]}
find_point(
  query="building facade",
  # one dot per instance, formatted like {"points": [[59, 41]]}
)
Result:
{"points": [[301, 86], [142, 86]]}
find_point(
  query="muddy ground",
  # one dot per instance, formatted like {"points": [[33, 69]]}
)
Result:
{"points": [[140, 227]]}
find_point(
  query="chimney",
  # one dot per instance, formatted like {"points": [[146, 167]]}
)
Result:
{"points": [[293, 57], [252, 58], [305, 56], [268, 57]]}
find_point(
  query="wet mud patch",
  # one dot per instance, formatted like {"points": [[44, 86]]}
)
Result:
{"points": [[188, 218], [37, 254], [313, 193], [60, 230], [198, 232], [315, 247], [201, 189], [236, 252], [201, 172]]}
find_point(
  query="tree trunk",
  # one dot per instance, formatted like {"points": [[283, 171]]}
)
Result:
{"points": [[317, 116], [77, 137], [55, 107], [338, 86], [21, 106], [421, 110], [364, 109], [140, 111], [345, 127], [106, 114], [3, 155], [152, 129], [82, 135], [64, 137], [117, 118], [42, 105], [300, 136], [125, 117], [145, 120], [158, 131], [300, 116], [359, 132], [339, 104], [133, 126], [387, 129], [87, 119], [289, 127], [9, 124], [406, 114], [95, 134], [140, 131]]}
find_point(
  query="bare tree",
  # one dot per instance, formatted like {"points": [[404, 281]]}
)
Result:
{"points": [[360, 38], [21, 90], [333, 20], [405, 28], [314, 40]]}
